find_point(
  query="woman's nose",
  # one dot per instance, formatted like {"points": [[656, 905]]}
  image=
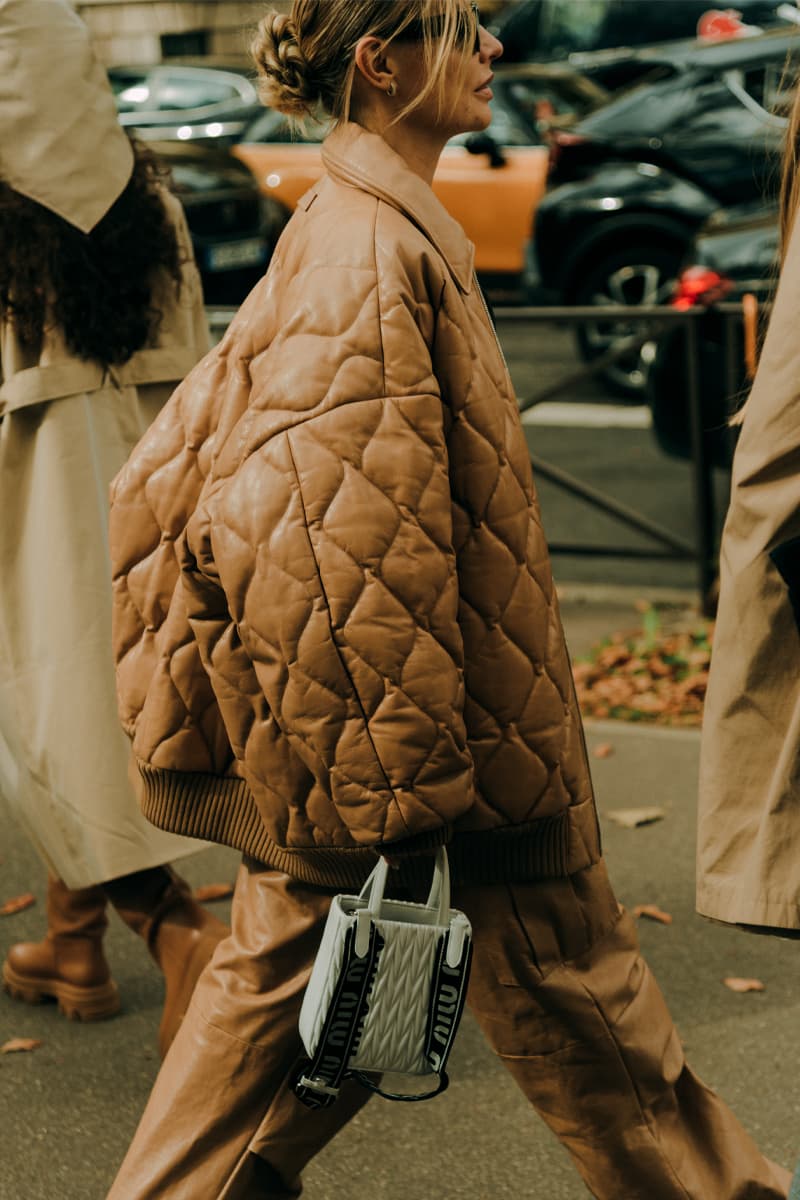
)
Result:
{"points": [[491, 48]]}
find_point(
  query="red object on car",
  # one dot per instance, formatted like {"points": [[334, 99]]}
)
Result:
{"points": [[557, 141], [700, 285], [720, 23]]}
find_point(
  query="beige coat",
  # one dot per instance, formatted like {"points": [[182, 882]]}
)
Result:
{"points": [[363, 647], [749, 820], [60, 140], [66, 428]]}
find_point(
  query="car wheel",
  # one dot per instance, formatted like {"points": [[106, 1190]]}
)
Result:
{"points": [[633, 276]]}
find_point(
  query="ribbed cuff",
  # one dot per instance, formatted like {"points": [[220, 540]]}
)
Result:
{"points": [[222, 809]]}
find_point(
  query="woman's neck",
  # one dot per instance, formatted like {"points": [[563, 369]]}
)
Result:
{"points": [[419, 149]]}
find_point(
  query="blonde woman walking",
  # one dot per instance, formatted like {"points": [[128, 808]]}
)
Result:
{"points": [[363, 656]]}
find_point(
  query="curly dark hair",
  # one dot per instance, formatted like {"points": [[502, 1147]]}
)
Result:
{"points": [[96, 287]]}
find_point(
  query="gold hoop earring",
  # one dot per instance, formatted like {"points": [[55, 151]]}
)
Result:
{"points": [[391, 89]]}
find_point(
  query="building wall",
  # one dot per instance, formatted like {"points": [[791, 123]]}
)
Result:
{"points": [[131, 31], [144, 31]]}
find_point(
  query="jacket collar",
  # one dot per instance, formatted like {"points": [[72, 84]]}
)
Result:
{"points": [[355, 156]]}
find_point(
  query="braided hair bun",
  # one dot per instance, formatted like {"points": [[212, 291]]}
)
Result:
{"points": [[285, 81]]}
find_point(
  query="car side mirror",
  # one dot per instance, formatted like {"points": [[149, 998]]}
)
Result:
{"points": [[484, 143]]}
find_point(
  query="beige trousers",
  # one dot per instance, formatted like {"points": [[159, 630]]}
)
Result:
{"points": [[559, 989]]}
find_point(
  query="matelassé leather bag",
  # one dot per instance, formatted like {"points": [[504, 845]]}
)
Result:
{"points": [[387, 990]]}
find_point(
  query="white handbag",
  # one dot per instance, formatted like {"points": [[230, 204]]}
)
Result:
{"points": [[387, 990]]}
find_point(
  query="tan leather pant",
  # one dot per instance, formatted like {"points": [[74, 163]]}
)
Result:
{"points": [[559, 989]]}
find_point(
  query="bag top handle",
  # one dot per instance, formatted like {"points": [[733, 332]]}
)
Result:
{"points": [[438, 897]]}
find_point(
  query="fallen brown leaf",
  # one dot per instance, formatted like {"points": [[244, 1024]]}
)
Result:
{"points": [[213, 891], [743, 985], [653, 912], [613, 656], [630, 818], [17, 1044], [652, 674], [603, 750], [17, 904]]}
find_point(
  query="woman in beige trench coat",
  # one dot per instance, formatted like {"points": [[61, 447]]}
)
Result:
{"points": [[748, 865], [70, 190]]}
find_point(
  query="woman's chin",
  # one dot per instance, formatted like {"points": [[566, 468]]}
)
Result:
{"points": [[480, 118]]}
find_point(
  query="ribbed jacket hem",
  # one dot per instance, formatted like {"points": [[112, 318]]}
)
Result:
{"points": [[222, 809]]}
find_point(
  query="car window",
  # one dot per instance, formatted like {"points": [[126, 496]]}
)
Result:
{"points": [[165, 91], [192, 91], [565, 28]]}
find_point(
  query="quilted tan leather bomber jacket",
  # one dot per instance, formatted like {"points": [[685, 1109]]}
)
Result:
{"points": [[335, 625]]}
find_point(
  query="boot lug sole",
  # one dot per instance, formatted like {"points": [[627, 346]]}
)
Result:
{"points": [[76, 1003]]}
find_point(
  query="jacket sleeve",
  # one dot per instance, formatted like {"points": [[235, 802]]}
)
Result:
{"points": [[332, 541]]}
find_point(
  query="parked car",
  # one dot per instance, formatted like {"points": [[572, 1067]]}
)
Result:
{"points": [[544, 30], [491, 182], [206, 100], [735, 254], [635, 180], [233, 227]]}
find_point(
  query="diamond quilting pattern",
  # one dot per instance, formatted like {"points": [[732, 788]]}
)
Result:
{"points": [[366, 612], [405, 960]]}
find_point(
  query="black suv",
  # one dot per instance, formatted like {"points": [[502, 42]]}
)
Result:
{"points": [[549, 30], [633, 182]]}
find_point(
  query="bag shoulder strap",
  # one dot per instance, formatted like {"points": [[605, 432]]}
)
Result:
{"points": [[317, 1083]]}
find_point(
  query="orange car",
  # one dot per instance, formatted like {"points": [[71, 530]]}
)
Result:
{"points": [[490, 182]]}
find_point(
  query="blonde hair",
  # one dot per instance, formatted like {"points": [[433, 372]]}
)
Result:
{"points": [[790, 176], [306, 60]]}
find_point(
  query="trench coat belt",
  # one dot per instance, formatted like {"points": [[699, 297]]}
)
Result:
{"points": [[57, 381]]}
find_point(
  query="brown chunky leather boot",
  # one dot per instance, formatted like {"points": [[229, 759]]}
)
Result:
{"points": [[180, 934], [69, 964]]}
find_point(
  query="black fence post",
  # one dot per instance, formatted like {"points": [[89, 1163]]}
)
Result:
{"points": [[702, 470]]}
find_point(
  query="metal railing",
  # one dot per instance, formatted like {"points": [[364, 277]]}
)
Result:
{"points": [[652, 321]]}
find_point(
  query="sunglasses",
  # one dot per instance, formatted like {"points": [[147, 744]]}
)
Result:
{"points": [[469, 21]]}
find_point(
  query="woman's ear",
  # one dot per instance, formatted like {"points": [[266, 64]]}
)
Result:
{"points": [[374, 65]]}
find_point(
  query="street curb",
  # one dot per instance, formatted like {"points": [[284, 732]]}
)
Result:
{"points": [[605, 728], [624, 594]]}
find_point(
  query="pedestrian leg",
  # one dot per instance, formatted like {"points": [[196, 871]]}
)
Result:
{"points": [[563, 995], [225, 1080], [181, 935]]}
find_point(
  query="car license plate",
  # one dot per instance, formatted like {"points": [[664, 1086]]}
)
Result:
{"points": [[247, 253]]}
